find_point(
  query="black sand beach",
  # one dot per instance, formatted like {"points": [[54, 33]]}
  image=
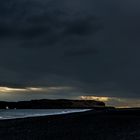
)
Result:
{"points": [[103, 125]]}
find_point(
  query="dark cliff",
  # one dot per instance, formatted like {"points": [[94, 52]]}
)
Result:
{"points": [[51, 104]]}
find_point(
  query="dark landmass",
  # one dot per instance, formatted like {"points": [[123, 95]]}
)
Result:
{"points": [[117, 124], [52, 104]]}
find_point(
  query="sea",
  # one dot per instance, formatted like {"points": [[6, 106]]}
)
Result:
{"points": [[24, 113]]}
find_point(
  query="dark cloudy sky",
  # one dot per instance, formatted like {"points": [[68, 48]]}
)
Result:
{"points": [[69, 49]]}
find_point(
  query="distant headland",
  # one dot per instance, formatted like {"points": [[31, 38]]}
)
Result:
{"points": [[52, 104]]}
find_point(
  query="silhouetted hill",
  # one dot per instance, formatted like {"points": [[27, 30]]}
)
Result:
{"points": [[51, 104]]}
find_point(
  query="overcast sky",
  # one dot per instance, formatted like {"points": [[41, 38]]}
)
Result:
{"points": [[69, 48]]}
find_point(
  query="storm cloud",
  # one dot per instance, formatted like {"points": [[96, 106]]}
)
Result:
{"points": [[91, 46]]}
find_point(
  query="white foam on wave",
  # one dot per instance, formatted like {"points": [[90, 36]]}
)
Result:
{"points": [[14, 114]]}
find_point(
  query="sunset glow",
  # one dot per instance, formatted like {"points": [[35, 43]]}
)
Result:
{"points": [[10, 90], [103, 99], [32, 89], [7, 89]]}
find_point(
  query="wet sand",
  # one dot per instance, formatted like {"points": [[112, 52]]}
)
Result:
{"points": [[90, 125]]}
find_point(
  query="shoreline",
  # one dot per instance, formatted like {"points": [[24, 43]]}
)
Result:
{"points": [[41, 115], [89, 125]]}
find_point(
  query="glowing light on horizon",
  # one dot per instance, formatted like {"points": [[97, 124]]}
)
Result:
{"points": [[103, 99], [115, 101], [7, 89], [34, 89], [10, 90], [31, 89]]}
